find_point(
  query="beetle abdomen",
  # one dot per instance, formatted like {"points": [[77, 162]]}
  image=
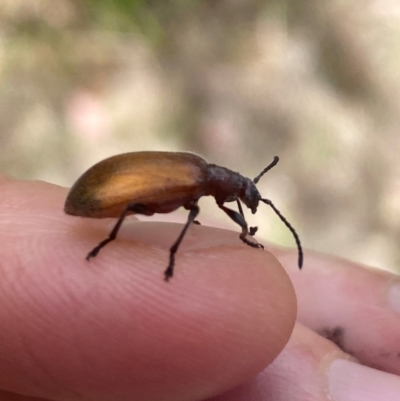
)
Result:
{"points": [[163, 181]]}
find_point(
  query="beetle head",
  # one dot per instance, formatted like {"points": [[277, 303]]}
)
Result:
{"points": [[249, 195]]}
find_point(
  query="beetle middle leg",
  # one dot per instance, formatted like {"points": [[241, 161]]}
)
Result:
{"points": [[135, 208], [194, 211], [239, 219]]}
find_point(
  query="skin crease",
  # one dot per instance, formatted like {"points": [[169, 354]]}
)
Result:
{"points": [[112, 329]]}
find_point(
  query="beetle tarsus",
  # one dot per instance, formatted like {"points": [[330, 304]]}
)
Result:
{"points": [[251, 243], [169, 271], [92, 253], [253, 230]]}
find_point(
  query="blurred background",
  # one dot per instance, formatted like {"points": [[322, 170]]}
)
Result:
{"points": [[237, 81]]}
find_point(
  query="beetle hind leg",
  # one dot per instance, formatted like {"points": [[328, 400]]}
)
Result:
{"points": [[113, 234]]}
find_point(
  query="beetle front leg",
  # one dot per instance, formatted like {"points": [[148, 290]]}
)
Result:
{"points": [[169, 272], [252, 230], [113, 234], [239, 219]]}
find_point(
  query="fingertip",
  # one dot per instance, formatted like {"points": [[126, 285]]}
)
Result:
{"points": [[225, 314]]}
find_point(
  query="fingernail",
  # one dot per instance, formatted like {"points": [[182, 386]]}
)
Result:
{"points": [[350, 381], [394, 298]]}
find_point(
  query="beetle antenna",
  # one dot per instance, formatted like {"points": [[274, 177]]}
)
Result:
{"points": [[272, 164], [290, 227]]}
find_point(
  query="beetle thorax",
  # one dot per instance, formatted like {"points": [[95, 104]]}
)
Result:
{"points": [[227, 186]]}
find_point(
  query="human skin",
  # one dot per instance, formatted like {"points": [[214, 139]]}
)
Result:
{"points": [[113, 329]]}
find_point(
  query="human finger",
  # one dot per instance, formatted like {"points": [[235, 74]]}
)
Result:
{"points": [[355, 306], [314, 369], [112, 329]]}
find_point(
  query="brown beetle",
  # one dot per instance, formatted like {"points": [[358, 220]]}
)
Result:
{"points": [[160, 182]]}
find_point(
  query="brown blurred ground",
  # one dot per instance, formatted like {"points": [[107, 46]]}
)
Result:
{"points": [[237, 81]]}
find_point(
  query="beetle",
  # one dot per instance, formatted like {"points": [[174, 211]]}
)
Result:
{"points": [[160, 182]]}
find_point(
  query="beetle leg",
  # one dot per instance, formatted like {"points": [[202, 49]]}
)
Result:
{"points": [[240, 207], [194, 211], [113, 234], [189, 206], [239, 219], [252, 230]]}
